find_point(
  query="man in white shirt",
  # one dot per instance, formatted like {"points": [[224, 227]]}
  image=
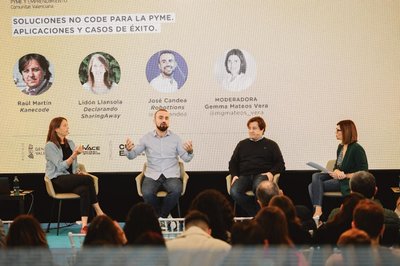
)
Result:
{"points": [[196, 244], [165, 82]]}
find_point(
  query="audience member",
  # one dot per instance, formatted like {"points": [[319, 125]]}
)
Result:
{"points": [[248, 233], [368, 216], [354, 236], [218, 210], [273, 221], [354, 244], [364, 183], [297, 234], [150, 238], [196, 243], [25, 231], [268, 189], [280, 247], [197, 234], [329, 233], [141, 218], [103, 231]]}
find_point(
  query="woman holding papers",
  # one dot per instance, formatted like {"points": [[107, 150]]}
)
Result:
{"points": [[351, 158]]}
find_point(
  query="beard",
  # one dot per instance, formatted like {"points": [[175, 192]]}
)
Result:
{"points": [[162, 127]]}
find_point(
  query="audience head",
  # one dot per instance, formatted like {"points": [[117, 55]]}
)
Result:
{"points": [[218, 210], [25, 231], [368, 216], [103, 231], [199, 219], [149, 238], [273, 221], [345, 215], [364, 183], [354, 236], [286, 205], [247, 232], [141, 218], [265, 191]]}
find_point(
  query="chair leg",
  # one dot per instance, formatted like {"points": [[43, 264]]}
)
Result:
{"points": [[58, 217], [51, 215], [179, 210], [234, 208]]}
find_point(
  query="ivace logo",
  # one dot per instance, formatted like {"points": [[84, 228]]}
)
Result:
{"points": [[91, 149]]}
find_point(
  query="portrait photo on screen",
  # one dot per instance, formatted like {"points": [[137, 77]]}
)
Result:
{"points": [[235, 70], [166, 71], [99, 73], [33, 74]]}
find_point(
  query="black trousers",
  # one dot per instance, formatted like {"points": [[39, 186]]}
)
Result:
{"points": [[82, 185]]}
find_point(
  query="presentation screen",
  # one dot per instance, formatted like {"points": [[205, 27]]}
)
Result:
{"points": [[107, 66]]}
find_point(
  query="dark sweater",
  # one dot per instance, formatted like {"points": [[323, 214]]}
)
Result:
{"points": [[354, 160], [256, 157]]}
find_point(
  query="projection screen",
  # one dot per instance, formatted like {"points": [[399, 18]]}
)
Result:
{"points": [[308, 65]]}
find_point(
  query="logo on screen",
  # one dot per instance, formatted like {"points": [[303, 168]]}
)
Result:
{"points": [[34, 151], [121, 150], [30, 152], [89, 149]]}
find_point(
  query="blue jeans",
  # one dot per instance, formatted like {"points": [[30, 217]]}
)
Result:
{"points": [[173, 187], [320, 183], [238, 192]]}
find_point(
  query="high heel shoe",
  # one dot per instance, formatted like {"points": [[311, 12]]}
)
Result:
{"points": [[316, 220]]}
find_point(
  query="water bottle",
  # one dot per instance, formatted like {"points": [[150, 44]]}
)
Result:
{"points": [[16, 186]]}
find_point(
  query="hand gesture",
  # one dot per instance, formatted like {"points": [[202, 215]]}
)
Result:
{"points": [[188, 146], [79, 149], [129, 144]]}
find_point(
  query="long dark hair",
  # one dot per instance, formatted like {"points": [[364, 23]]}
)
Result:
{"points": [[102, 231], [141, 218], [345, 216], [218, 209], [25, 231]]}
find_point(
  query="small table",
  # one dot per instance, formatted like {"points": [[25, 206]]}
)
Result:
{"points": [[20, 198]]}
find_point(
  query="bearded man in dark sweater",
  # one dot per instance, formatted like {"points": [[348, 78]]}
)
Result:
{"points": [[254, 159]]}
